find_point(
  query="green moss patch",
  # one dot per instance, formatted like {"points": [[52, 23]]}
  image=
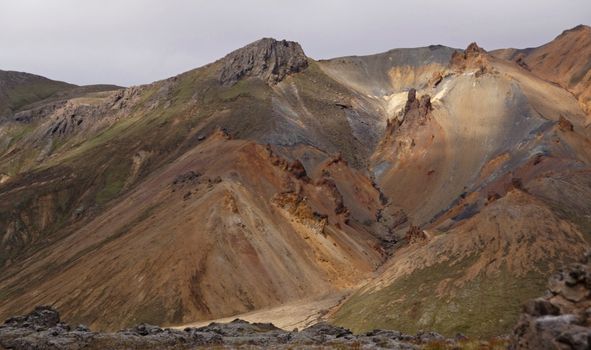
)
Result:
{"points": [[486, 306]]}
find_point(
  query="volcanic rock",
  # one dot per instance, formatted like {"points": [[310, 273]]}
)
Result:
{"points": [[296, 168], [188, 177], [267, 59], [565, 124], [416, 109], [328, 182], [561, 319], [51, 335], [415, 235], [474, 57], [42, 317], [473, 50]]}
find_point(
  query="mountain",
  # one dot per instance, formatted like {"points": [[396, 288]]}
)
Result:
{"points": [[493, 170], [566, 61], [439, 187], [276, 212]]}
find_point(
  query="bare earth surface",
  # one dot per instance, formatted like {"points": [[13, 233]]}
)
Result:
{"points": [[300, 314]]}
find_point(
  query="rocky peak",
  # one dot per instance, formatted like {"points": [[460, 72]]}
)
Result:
{"points": [[473, 49], [267, 59], [581, 28], [474, 57]]}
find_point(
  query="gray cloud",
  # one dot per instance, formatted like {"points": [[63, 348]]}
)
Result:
{"points": [[138, 41]]}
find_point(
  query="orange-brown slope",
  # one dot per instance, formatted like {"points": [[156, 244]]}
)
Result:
{"points": [[63, 161], [471, 279], [227, 228], [566, 60], [488, 154], [438, 144]]}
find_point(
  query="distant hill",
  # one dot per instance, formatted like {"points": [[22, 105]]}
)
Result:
{"points": [[18, 90]]}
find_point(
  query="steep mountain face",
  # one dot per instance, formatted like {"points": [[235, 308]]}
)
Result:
{"points": [[469, 166], [566, 60], [229, 215], [441, 185], [127, 169]]}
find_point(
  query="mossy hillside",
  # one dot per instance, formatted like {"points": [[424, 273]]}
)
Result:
{"points": [[114, 179], [495, 343], [54, 268], [64, 196], [18, 132], [25, 160], [36, 214], [167, 119], [485, 306], [95, 172], [33, 89]]}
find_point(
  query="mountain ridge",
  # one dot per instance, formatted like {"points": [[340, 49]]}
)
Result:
{"points": [[258, 179]]}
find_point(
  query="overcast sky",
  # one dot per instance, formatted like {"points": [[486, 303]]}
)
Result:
{"points": [[130, 42]]}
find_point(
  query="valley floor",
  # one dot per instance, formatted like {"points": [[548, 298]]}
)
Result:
{"points": [[298, 314]]}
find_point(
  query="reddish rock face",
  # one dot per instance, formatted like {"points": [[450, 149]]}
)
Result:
{"points": [[474, 57], [564, 124], [296, 168], [415, 235]]}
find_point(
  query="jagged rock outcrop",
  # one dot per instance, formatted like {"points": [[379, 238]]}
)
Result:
{"points": [[562, 318], [268, 59], [474, 57], [297, 205], [565, 124], [415, 235], [40, 317], [41, 330], [473, 50], [416, 111], [417, 108], [296, 168], [327, 182]]}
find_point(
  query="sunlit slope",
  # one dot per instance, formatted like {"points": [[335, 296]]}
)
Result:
{"points": [[478, 167], [97, 175], [566, 60]]}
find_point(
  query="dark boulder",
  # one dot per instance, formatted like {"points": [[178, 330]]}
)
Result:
{"points": [[562, 318], [42, 317]]}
